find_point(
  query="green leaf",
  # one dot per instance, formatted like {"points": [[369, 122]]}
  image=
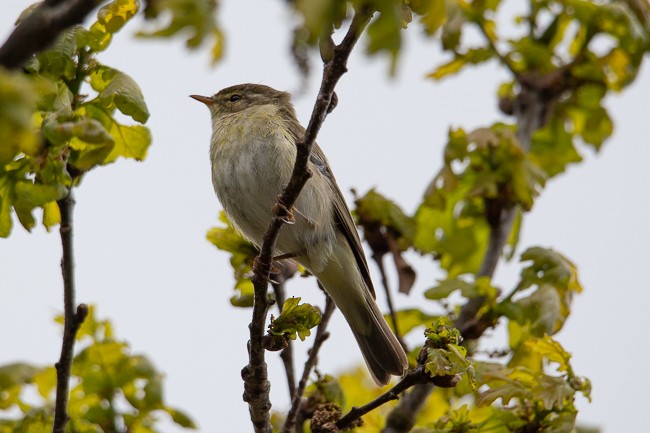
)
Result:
{"points": [[549, 266], [433, 14], [452, 228], [552, 148], [116, 13], [327, 388], [194, 19], [598, 127], [505, 393], [29, 195], [295, 320], [242, 253], [110, 19], [116, 89], [473, 56], [319, 17], [180, 418], [551, 350], [51, 215], [481, 287], [59, 60], [154, 393], [384, 32], [18, 97], [531, 55], [411, 318], [131, 141], [45, 381], [373, 209], [244, 294], [441, 333], [17, 373]]}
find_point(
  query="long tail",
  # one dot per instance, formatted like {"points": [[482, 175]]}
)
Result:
{"points": [[381, 350]]}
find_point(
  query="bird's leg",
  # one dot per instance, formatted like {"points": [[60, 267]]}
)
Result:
{"points": [[285, 256], [256, 266], [286, 215], [310, 221], [274, 269]]}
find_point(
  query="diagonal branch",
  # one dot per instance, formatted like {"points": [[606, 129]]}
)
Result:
{"points": [[417, 376], [41, 28], [255, 375]]}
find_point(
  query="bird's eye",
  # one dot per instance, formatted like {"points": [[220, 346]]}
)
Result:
{"points": [[234, 98]]}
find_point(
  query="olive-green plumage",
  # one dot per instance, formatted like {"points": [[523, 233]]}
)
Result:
{"points": [[253, 150]]}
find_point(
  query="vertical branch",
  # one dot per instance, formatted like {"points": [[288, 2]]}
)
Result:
{"points": [[72, 319], [255, 374], [321, 336], [530, 109], [379, 260]]}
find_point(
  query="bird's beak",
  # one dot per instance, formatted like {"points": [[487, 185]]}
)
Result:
{"points": [[207, 100]]}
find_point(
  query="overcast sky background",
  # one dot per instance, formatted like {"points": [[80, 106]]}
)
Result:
{"points": [[140, 228]]}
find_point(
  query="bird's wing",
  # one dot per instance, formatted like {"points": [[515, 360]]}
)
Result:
{"points": [[342, 215]]}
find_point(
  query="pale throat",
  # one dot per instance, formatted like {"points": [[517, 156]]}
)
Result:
{"points": [[255, 121]]}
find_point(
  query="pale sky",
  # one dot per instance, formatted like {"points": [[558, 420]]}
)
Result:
{"points": [[142, 257]]}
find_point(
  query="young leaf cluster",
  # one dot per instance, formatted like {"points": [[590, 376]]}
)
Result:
{"points": [[295, 320], [242, 254], [113, 390], [444, 355]]}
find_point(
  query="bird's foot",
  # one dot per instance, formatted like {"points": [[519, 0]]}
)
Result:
{"points": [[284, 213]]}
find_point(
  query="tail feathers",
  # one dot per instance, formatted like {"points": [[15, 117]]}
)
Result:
{"points": [[381, 350]]}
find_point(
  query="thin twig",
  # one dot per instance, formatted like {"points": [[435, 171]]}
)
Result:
{"points": [[492, 44], [412, 377], [255, 375], [72, 319], [321, 336], [41, 28], [379, 260]]}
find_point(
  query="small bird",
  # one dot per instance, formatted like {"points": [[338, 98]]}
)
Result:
{"points": [[253, 150]]}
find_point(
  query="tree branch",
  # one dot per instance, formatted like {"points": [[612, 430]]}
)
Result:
{"points": [[72, 319], [41, 28], [255, 375], [412, 378], [321, 336], [530, 109]]}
